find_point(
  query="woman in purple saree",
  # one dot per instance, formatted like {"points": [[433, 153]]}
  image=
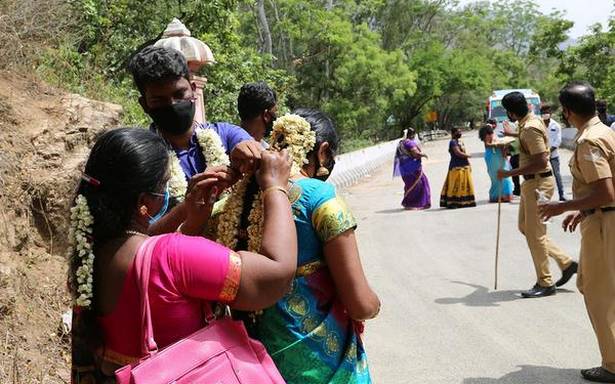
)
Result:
{"points": [[408, 165]]}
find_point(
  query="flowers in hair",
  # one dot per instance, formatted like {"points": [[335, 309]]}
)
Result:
{"points": [[294, 133], [290, 131], [80, 236]]}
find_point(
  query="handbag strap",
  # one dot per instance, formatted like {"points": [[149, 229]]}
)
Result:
{"points": [[143, 262]]}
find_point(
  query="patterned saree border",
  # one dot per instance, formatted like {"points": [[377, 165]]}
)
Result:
{"points": [[232, 279]]}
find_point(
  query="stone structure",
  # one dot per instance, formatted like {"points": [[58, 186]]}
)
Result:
{"points": [[197, 54]]}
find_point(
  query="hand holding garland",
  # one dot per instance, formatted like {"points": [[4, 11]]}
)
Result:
{"points": [[246, 156], [274, 170], [202, 192], [179, 214], [279, 239], [290, 132]]}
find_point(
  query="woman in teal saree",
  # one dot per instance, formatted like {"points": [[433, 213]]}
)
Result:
{"points": [[495, 157], [313, 333]]}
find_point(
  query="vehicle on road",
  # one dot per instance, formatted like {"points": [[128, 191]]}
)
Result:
{"points": [[496, 111]]}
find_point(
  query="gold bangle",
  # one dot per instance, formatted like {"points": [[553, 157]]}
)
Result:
{"points": [[273, 189]]}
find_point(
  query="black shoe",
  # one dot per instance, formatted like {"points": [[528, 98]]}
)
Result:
{"points": [[598, 375], [517, 192], [567, 274], [538, 291], [562, 198]]}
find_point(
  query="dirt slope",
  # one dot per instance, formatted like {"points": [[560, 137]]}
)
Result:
{"points": [[44, 136]]}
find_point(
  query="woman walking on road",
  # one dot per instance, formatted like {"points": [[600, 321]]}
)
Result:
{"points": [[458, 189], [495, 157], [408, 165]]}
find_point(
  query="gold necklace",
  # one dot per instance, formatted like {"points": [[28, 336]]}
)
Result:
{"points": [[135, 233]]}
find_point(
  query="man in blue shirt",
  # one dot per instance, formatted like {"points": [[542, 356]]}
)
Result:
{"points": [[603, 114], [168, 97]]}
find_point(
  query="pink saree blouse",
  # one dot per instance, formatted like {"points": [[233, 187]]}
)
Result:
{"points": [[186, 274]]}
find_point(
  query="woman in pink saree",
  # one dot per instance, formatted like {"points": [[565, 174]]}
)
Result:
{"points": [[408, 165], [122, 193]]}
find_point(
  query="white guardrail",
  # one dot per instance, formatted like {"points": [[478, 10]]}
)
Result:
{"points": [[353, 166]]}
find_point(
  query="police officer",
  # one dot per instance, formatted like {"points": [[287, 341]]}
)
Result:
{"points": [[593, 168], [538, 181]]}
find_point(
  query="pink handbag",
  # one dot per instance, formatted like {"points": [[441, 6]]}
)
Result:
{"points": [[221, 352]]}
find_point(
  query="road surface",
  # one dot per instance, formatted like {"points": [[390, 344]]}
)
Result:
{"points": [[441, 321]]}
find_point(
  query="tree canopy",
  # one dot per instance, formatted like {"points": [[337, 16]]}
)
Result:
{"points": [[375, 66]]}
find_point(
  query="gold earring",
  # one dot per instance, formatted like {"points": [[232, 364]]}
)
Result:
{"points": [[322, 171], [143, 210]]}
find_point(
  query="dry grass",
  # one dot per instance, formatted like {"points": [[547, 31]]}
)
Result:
{"points": [[44, 136], [27, 27]]}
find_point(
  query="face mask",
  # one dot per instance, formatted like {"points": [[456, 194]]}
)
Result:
{"points": [[329, 167], [174, 119], [269, 126], [163, 210], [512, 119]]}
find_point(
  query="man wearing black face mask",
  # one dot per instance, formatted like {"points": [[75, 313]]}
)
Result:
{"points": [[538, 184], [257, 109], [593, 206], [168, 97]]}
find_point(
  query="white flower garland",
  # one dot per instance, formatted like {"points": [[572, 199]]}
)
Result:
{"points": [[290, 131], [230, 218], [256, 220], [81, 247], [177, 182], [294, 133], [211, 145], [213, 152]]}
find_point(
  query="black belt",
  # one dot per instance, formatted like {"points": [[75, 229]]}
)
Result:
{"points": [[604, 210], [543, 175]]}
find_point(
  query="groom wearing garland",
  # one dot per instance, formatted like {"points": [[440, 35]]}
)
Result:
{"points": [[167, 96]]}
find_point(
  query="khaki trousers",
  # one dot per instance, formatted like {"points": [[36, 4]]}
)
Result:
{"points": [[596, 280], [535, 232]]}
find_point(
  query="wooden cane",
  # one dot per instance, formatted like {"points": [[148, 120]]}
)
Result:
{"points": [[497, 240]]}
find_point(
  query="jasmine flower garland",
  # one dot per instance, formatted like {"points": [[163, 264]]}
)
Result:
{"points": [[292, 132], [79, 236], [230, 218], [213, 152], [255, 227], [177, 180]]}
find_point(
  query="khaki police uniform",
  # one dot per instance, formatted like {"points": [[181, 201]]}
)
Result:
{"points": [[534, 140], [594, 159]]}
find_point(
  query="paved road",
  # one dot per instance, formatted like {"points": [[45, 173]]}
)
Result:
{"points": [[441, 320]]}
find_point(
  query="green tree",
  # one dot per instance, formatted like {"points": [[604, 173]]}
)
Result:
{"points": [[592, 60], [375, 66]]}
